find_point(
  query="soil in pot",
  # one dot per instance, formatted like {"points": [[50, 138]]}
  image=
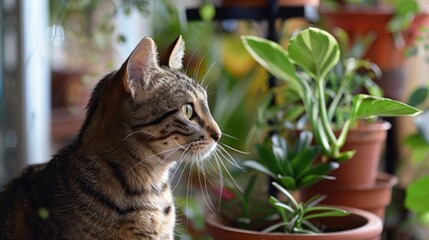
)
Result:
{"points": [[360, 225]]}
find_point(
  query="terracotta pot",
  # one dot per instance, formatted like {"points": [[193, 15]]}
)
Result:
{"points": [[359, 22], [370, 198], [368, 141], [360, 225]]}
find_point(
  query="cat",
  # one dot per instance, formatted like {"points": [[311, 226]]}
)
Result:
{"points": [[112, 181]]}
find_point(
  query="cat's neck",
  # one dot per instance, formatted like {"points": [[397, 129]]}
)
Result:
{"points": [[138, 171]]}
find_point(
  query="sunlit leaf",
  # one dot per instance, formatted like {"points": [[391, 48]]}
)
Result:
{"points": [[272, 57], [314, 50], [417, 195], [258, 167], [365, 106]]}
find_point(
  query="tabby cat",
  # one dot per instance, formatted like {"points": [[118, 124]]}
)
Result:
{"points": [[113, 181]]}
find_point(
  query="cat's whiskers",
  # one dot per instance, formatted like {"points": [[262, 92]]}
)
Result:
{"points": [[190, 60], [205, 192], [207, 74], [221, 177], [201, 61], [229, 158], [230, 136], [179, 147], [229, 174], [152, 156], [184, 155], [133, 133], [189, 183]]}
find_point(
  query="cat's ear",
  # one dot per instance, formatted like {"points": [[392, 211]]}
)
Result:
{"points": [[140, 65], [172, 57]]}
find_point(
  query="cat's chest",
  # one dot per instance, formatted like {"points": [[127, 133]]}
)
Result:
{"points": [[155, 224]]}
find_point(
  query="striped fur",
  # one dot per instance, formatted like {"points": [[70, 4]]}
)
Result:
{"points": [[112, 182]]}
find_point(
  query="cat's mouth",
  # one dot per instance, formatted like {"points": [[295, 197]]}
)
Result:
{"points": [[202, 149]]}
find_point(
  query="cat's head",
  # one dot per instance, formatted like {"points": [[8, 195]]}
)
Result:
{"points": [[158, 109]]}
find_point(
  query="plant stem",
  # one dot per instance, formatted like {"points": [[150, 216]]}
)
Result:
{"points": [[343, 134], [324, 115], [336, 100]]}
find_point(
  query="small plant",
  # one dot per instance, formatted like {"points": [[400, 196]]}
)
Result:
{"points": [[305, 68], [294, 167], [247, 209], [296, 216]]}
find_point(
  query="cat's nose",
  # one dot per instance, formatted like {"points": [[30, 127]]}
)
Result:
{"points": [[216, 136]]}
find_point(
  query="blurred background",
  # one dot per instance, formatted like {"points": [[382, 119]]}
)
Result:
{"points": [[52, 52]]}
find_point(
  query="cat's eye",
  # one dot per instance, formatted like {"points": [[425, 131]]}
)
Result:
{"points": [[188, 110]]}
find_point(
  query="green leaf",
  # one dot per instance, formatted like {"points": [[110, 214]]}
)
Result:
{"points": [[321, 169], [406, 7], [304, 141], [419, 96], [314, 201], [326, 212], [411, 51], [314, 50], [303, 160], [249, 188], [365, 106], [272, 57], [258, 167], [267, 156], [310, 180], [280, 148], [287, 182], [287, 194], [417, 195]]}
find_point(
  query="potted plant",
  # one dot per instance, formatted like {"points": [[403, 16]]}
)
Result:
{"points": [[305, 68], [395, 25], [251, 215]]}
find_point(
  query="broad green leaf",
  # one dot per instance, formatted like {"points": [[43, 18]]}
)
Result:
{"points": [[258, 167], [419, 96], [314, 50], [365, 106], [272, 57], [417, 195]]}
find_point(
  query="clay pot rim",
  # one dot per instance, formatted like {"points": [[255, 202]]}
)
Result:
{"points": [[374, 226], [380, 125], [383, 181]]}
